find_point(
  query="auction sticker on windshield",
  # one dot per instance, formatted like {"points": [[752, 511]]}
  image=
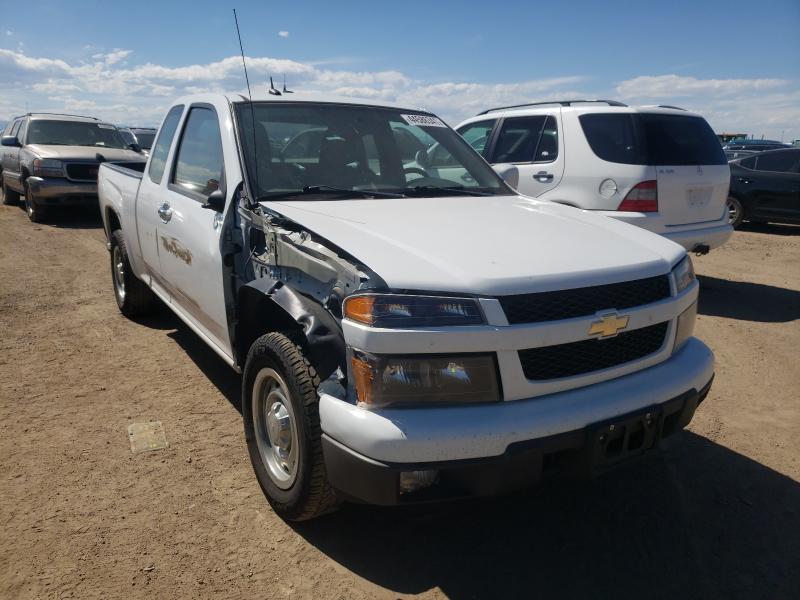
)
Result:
{"points": [[423, 121]]}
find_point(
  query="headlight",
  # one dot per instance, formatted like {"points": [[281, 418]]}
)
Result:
{"points": [[419, 380], [48, 167], [399, 310], [685, 327], [683, 273]]}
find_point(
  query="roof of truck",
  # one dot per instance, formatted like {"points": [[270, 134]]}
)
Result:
{"points": [[300, 96]]}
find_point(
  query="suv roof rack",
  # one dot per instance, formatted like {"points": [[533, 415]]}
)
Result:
{"points": [[30, 114], [670, 106], [561, 102]]}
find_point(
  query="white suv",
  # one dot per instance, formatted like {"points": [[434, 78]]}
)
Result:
{"points": [[660, 168]]}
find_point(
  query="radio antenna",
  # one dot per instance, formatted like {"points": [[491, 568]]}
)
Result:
{"points": [[252, 112]]}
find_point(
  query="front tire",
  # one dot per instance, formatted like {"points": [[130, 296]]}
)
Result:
{"points": [[280, 407], [36, 212], [133, 297], [735, 212]]}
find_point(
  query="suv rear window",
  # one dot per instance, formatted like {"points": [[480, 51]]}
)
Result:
{"points": [[652, 139]]}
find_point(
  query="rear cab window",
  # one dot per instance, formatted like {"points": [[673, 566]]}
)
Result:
{"points": [[158, 157], [652, 139]]}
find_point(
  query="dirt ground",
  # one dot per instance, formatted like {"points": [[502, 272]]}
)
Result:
{"points": [[716, 515]]}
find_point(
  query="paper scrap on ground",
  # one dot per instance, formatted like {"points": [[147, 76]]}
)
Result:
{"points": [[147, 436]]}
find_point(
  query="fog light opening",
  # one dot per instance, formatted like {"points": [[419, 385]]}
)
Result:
{"points": [[413, 481]]}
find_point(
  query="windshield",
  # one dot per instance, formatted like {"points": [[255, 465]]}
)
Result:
{"points": [[74, 133], [309, 150], [145, 139]]}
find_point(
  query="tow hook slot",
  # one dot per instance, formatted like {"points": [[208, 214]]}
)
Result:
{"points": [[701, 249]]}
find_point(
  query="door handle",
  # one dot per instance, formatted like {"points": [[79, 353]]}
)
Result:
{"points": [[543, 177], [165, 212]]}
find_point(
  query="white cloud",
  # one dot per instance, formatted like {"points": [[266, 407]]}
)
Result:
{"points": [[674, 85], [9, 32], [283, 34], [109, 87]]}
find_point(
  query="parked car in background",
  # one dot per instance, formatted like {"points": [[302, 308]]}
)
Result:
{"points": [[140, 136], [755, 145], [52, 159], [404, 334], [766, 187], [734, 154], [660, 168]]}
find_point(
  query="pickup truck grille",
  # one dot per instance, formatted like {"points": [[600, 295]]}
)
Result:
{"points": [[577, 358], [580, 302], [82, 171]]}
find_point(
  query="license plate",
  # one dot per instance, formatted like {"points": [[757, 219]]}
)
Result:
{"points": [[698, 197], [620, 439]]}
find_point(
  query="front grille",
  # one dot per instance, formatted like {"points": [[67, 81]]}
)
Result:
{"points": [[580, 302], [576, 358], [82, 171]]}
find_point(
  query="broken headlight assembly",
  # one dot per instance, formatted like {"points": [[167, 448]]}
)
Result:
{"points": [[420, 380], [409, 311]]}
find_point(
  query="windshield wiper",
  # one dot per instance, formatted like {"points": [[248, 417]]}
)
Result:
{"points": [[458, 189], [327, 189]]}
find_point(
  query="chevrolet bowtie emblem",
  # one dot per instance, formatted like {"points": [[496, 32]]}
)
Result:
{"points": [[608, 325]]}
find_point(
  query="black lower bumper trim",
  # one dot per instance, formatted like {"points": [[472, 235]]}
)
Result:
{"points": [[575, 454]]}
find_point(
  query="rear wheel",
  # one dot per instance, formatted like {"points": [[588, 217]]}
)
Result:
{"points": [[36, 212], [280, 407], [735, 212], [9, 196], [133, 297]]}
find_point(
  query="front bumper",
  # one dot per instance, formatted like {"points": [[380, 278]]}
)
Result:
{"points": [[366, 450], [60, 191], [582, 453]]}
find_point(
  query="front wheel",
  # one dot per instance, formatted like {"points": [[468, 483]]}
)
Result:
{"points": [[36, 212], [280, 407], [735, 212]]}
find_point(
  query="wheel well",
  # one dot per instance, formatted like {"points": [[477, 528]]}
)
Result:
{"points": [[259, 315], [112, 221]]}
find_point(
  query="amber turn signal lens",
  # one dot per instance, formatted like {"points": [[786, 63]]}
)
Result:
{"points": [[362, 379], [359, 308]]}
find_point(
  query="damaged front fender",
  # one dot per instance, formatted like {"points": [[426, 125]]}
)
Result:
{"points": [[267, 305]]}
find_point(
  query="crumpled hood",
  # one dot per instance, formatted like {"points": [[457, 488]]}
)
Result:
{"points": [[84, 153], [492, 245]]}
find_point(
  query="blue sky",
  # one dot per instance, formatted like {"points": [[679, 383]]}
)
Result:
{"points": [[738, 63]]}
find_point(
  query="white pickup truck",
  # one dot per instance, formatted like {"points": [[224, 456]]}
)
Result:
{"points": [[403, 336]]}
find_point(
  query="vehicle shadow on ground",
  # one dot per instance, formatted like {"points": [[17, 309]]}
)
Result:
{"points": [[747, 301], [72, 217], [771, 228], [698, 521], [226, 380]]}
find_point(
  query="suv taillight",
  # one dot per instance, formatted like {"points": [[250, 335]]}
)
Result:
{"points": [[642, 198]]}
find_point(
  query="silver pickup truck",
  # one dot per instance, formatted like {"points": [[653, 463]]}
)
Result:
{"points": [[404, 334], [52, 160]]}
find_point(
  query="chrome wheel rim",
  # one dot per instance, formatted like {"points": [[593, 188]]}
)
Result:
{"points": [[733, 211], [275, 428], [118, 269]]}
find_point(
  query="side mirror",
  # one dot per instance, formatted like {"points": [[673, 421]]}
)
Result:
{"points": [[422, 158], [135, 147], [215, 201], [508, 173], [10, 140]]}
